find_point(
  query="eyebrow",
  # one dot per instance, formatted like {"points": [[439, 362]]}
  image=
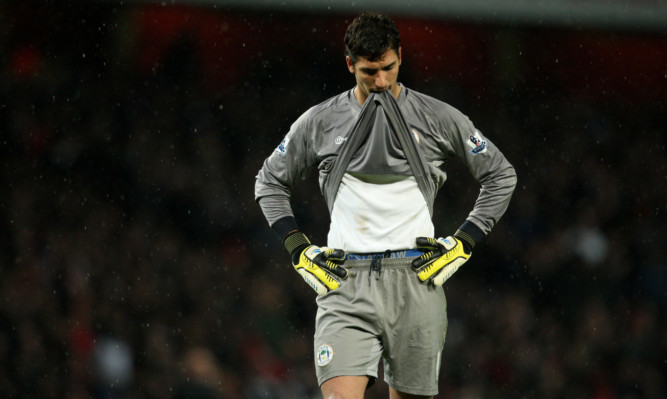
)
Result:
{"points": [[372, 71]]}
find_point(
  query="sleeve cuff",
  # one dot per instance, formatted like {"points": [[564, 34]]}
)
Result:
{"points": [[284, 226]]}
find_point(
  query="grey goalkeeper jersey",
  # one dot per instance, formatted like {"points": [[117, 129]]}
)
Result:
{"points": [[440, 131]]}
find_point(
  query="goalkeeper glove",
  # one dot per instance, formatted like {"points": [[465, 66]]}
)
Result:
{"points": [[442, 258], [319, 267]]}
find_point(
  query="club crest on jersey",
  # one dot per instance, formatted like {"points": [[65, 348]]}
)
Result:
{"points": [[282, 147], [476, 142], [324, 355]]}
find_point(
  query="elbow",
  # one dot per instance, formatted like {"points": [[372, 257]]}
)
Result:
{"points": [[512, 177], [505, 177], [510, 180]]}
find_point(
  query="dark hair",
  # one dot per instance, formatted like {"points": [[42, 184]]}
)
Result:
{"points": [[370, 35]]}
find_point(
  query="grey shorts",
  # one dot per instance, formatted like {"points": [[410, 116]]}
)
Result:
{"points": [[383, 313]]}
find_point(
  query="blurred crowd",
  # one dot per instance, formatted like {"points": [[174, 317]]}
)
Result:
{"points": [[134, 262]]}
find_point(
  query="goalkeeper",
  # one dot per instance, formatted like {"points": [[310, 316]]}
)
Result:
{"points": [[380, 149]]}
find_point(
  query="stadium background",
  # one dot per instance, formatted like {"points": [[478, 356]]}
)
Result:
{"points": [[135, 263]]}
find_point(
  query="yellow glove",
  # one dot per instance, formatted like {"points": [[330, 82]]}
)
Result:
{"points": [[320, 267], [442, 258]]}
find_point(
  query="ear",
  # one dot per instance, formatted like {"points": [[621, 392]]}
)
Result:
{"points": [[350, 64], [400, 57]]}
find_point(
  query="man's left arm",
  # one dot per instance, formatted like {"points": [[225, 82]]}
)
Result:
{"points": [[497, 178], [492, 171]]}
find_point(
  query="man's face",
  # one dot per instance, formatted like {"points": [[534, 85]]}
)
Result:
{"points": [[376, 76]]}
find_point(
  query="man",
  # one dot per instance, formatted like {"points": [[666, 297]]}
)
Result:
{"points": [[380, 149]]}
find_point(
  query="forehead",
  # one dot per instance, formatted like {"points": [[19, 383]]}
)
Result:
{"points": [[385, 59]]}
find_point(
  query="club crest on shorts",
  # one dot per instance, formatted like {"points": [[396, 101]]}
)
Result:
{"points": [[324, 355], [476, 142]]}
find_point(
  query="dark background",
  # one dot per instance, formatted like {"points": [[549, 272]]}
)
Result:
{"points": [[134, 262]]}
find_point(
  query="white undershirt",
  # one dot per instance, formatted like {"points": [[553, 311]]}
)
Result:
{"points": [[372, 217]]}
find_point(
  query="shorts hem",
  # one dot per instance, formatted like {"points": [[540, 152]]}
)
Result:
{"points": [[412, 390], [321, 379]]}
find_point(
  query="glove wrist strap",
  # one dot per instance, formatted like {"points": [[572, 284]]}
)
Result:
{"points": [[467, 240], [469, 234], [293, 240]]}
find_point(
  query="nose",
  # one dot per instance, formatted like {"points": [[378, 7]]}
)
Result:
{"points": [[381, 81]]}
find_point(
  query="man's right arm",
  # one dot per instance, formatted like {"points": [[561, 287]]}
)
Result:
{"points": [[285, 167], [288, 164]]}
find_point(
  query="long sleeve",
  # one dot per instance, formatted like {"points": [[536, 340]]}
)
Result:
{"points": [[288, 164], [488, 166]]}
